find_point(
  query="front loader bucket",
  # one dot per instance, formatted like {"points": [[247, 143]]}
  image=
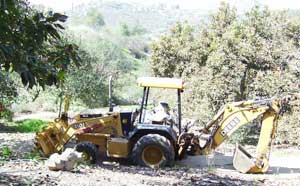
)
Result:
{"points": [[46, 142], [242, 160], [50, 140]]}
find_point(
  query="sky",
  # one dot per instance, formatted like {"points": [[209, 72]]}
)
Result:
{"points": [[210, 5]]}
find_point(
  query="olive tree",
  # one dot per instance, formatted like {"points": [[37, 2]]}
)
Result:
{"points": [[231, 58]]}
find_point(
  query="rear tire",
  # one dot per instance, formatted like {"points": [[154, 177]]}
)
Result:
{"points": [[153, 151], [89, 150]]}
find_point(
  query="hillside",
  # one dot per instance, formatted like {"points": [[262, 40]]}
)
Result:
{"points": [[155, 19]]}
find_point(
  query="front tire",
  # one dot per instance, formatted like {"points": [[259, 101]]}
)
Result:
{"points": [[89, 150], [153, 151]]}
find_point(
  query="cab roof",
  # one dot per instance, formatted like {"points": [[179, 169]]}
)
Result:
{"points": [[160, 82]]}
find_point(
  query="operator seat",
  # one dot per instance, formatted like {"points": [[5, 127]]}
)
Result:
{"points": [[161, 114]]}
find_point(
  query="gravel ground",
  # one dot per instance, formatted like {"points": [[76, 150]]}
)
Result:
{"points": [[30, 172], [19, 143], [286, 171]]}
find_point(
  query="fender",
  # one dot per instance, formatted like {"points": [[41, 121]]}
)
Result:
{"points": [[144, 129]]}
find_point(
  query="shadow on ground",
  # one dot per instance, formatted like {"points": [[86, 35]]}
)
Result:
{"points": [[7, 179], [283, 170], [213, 179], [220, 160], [6, 128], [184, 175], [201, 161], [16, 180], [272, 170]]}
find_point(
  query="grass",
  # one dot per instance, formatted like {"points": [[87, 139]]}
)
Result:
{"points": [[24, 126], [32, 156], [5, 153], [30, 125]]}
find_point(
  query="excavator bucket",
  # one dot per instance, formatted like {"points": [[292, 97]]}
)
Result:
{"points": [[242, 160]]}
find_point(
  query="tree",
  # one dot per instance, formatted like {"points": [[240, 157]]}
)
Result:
{"points": [[100, 59], [31, 45], [124, 30], [172, 53], [94, 18], [232, 58], [8, 92]]}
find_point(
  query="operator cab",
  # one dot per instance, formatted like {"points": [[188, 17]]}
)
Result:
{"points": [[161, 114], [162, 111], [127, 121]]}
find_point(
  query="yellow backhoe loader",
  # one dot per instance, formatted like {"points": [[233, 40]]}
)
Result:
{"points": [[157, 144]]}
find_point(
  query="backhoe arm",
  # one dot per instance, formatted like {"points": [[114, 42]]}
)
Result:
{"points": [[232, 117], [267, 134]]}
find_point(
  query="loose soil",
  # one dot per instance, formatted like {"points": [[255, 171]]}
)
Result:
{"points": [[285, 169], [211, 170]]}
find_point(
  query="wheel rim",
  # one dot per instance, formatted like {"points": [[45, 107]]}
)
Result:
{"points": [[152, 155], [86, 156]]}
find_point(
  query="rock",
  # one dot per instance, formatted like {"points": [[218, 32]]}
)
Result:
{"points": [[51, 163], [65, 161]]}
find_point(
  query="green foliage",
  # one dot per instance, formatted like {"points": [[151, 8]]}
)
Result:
{"points": [[5, 153], [32, 155], [30, 125], [120, 51], [138, 30], [124, 29], [6, 114], [8, 92], [231, 58], [100, 59], [94, 18], [288, 128], [31, 45], [172, 54], [127, 31], [8, 88], [247, 134], [103, 53], [88, 83]]}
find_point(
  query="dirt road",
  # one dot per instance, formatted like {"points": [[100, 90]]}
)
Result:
{"points": [[285, 170]]}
